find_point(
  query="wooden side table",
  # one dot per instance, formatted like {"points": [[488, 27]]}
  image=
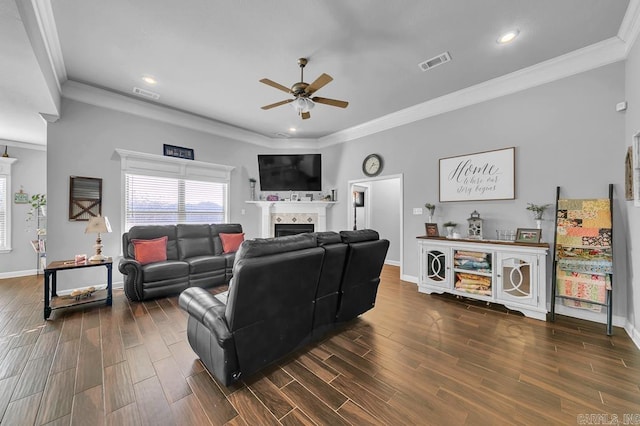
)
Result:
{"points": [[50, 285]]}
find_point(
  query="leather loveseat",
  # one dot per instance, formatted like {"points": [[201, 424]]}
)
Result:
{"points": [[285, 293], [194, 258]]}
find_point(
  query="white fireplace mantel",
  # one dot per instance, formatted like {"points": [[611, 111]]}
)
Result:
{"points": [[269, 208]]}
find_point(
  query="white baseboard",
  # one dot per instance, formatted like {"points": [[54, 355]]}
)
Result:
{"points": [[585, 314], [392, 262], [409, 278], [634, 333], [16, 274]]}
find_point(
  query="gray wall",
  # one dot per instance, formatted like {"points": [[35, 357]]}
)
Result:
{"points": [[83, 143], [566, 133], [632, 256], [30, 173], [385, 214]]}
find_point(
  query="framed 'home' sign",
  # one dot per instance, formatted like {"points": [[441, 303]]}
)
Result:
{"points": [[486, 175]]}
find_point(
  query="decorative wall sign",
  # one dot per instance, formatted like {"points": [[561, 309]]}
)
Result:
{"points": [[21, 197], [178, 151], [481, 176]]}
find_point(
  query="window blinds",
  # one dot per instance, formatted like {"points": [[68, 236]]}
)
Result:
{"points": [[153, 200]]}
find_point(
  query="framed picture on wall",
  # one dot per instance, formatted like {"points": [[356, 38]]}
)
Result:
{"points": [[481, 176], [178, 151]]}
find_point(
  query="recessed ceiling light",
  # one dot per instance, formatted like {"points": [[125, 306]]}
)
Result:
{"points": [[508, 37], [292, 129], [149, 80]]}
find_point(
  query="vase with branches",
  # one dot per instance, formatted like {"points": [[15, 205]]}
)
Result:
{"points": [[432, 209], [538, 210], [38, 202]]}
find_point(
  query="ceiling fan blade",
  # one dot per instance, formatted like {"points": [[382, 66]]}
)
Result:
{"points": [[277, 104], [319, 83], [305, 115], [276, 85], [332, 102]]}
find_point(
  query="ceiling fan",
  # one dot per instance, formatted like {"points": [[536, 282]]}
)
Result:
{"points": [[302, 101]]}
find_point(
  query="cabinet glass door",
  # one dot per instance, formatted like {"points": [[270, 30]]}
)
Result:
{"points": [[436, 272], [516, 278]]}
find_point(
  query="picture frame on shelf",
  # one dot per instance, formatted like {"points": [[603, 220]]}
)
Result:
{"points": [[431, 229], [295, 197], [528, 235]]}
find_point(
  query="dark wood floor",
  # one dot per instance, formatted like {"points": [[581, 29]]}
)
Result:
{"points": [[413, 359]]}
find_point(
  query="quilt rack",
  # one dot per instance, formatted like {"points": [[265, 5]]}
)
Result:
{"points": [[582, 275]]}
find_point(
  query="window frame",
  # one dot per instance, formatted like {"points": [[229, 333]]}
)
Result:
{"points": [[5, 172], [139, 163]]}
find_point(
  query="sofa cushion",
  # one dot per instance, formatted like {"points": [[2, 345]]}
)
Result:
{"points": [[267, 246], [225, 228], [231, 242], [328, 237], [359, 235], [148, 232], [201, 264], [150, 251], [168, 269], [194, 240]]}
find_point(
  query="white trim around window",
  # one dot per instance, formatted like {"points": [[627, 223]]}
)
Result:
{"points": [[5, 203]]}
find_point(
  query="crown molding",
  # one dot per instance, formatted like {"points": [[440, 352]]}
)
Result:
{"points": [[23, 145], [103, 98], [581, 60], [49, 30], [630, 26]]}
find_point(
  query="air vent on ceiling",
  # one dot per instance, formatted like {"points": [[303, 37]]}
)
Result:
{"points": [[282, 135], [146, 93], [435, 61]]}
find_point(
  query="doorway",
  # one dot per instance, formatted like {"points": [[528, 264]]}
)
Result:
{"points": [[378, 204]]}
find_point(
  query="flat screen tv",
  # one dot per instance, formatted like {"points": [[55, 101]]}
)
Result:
{"points": [[291, 172]]}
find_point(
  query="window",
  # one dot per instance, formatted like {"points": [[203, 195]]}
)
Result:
{"points": [[166, 201], [5, 204], [165, 190]]}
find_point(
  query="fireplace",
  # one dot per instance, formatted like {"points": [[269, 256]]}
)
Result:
{"points": [[273, 213], [283, 229]]}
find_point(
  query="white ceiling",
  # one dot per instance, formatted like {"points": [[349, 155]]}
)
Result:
{"points": [[208, 55]]}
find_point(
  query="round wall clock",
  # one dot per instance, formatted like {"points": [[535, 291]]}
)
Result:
{"points": [[372, 165]]}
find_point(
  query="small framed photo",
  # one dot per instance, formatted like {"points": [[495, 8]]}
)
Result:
{"points": [[432, 229], [178, 151], [295, 197], [528, 235]]}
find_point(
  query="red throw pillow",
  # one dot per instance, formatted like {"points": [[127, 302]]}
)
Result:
{"points": [[150, 251], [231, 242]]}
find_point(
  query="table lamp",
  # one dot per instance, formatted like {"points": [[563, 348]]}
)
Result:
{"points": [[98, 225]]}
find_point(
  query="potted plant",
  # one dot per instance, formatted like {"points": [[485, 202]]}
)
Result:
{"points": [[38, 202], [538, 212], [432, 209], [450, 227]]}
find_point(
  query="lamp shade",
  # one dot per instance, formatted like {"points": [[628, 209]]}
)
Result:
{"points": [[302, 105], [98, 225]]}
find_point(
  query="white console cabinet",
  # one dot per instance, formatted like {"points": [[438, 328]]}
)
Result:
{"points": [[508, 273]]}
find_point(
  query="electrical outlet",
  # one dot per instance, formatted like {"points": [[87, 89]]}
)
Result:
{"points": [[242, 212], [417, 210]]}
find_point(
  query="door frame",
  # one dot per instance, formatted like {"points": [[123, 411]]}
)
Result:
{"points": [[400, 178]]}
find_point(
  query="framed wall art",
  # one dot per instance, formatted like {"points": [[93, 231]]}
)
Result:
{"points": [[85, 198], [178, 151], [481, 176]]}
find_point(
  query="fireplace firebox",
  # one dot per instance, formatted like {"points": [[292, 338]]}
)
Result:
{"points": [[283, 229]]}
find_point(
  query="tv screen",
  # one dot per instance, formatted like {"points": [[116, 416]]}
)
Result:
{"points": [[294, 172]]}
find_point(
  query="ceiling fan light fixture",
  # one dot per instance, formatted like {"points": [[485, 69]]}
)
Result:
{"points": [[508, 37], [302, 105]]}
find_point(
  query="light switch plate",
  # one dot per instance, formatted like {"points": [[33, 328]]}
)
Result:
{"points": [[417, 210]]}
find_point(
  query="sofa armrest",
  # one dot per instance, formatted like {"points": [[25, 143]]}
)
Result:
{"points": [[206, 309], [132, 271]]}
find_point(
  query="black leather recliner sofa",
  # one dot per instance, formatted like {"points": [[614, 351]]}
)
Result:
{"points": [[195, 258], [285, 293]]}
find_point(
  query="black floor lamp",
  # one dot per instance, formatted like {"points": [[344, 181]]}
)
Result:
{"points": [[358, 201]]}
